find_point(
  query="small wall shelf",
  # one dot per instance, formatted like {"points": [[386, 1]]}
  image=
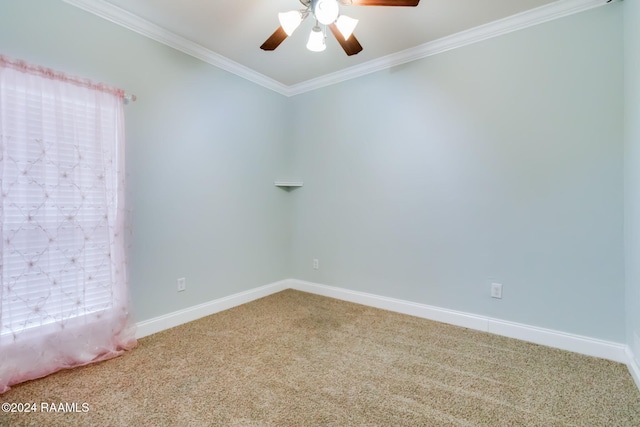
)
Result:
{"points": [[289, 183]]}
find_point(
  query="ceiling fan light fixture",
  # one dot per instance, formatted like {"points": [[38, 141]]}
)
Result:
{"points": [[326, 11], [316, 40], [346, 25], [290, 21]]}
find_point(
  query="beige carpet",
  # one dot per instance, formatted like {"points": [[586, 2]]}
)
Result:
{"points": [[296, 359]]}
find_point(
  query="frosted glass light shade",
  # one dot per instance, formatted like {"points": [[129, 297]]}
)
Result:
{"points": [[326, 11], [289, 21], [316, 40], [346, 25]]}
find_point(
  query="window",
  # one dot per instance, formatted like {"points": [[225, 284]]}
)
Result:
{"points": [[55, 229]]}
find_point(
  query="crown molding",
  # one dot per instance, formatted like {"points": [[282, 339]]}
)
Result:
{"points": [[540, 15], [141, 26], [550, 12]]}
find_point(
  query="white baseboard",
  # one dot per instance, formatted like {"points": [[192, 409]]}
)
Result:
{"points": [[453, 317], [633, 366], [579, 344], [562, 340], [190, 314]]}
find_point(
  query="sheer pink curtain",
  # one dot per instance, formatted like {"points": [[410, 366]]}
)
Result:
{"points": [[64, 299]]}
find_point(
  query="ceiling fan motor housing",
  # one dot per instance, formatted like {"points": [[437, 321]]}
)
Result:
{"points": [[325, 11]]}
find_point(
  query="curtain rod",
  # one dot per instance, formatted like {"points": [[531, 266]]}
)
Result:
{"points": [[129, 98]]}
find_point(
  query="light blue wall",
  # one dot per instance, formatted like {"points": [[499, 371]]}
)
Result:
{"points": [[632, 170], [204, 148], [501, 161], [498, 162]]}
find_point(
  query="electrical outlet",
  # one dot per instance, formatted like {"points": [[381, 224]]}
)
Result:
{"points": [[182, 284], [316, 264], [496, 290]]}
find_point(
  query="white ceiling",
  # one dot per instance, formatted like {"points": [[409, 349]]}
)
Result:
{"points": [[231, 31]]}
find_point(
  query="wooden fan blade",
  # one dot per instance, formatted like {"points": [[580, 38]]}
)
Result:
{"points": [[350, 46], [380, 2], [274, 41]]}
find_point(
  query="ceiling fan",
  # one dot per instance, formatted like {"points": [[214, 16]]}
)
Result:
{"points": [[327, 13]]}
